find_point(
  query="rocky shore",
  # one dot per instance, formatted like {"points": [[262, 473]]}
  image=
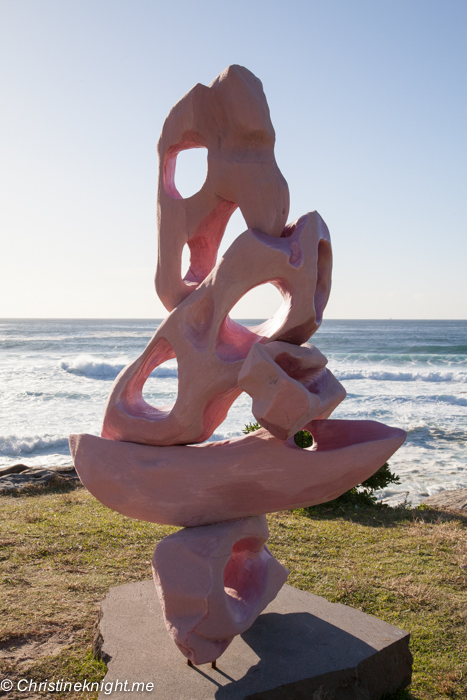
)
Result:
{"points": [[19, 476], [455, 500]]}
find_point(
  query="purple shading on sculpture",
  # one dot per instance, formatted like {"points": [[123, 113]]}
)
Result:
{"points": [[215, 577]]}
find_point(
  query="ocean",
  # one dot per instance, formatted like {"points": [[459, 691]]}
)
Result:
{"points": [[56, 376]]}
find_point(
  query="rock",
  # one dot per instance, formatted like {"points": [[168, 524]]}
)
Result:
{"points": [[36, 477], [302, 646], [18, 476], [14, 469], [65, 471], [455, 500]]}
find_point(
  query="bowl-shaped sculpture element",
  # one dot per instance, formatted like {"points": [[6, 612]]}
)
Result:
{"points": [[192, 485]]}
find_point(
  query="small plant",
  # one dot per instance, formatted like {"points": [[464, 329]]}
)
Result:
{"points": [[250, 428], [303, 438], [361, 495]]}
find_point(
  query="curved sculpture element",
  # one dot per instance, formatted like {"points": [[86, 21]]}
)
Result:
{"points": [[290, 386], [231, 119], [213, 582], [210, 347], [191, 485]]}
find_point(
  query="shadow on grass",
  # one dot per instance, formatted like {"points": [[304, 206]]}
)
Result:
{"points": [[401, 695], [379, 515]]}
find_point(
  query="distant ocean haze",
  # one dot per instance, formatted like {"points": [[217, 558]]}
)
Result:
{"points": [[56, 376]]}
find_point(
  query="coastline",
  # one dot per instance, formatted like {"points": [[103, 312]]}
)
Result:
{"points": [[55, 377]]}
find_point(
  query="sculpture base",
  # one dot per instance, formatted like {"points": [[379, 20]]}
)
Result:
{"points": [[301, 646]]}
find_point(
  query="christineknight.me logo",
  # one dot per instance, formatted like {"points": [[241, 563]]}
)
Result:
{"points": [[51, 686]]}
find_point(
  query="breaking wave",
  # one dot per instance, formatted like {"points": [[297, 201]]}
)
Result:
{"points": [[89, 366], [385, 375], [453, 400], [95, 368], [14, 445]]}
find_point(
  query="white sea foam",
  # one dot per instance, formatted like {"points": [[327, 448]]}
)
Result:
{"points": [[26, 445], [92, 367], [453, 400], [163, 372], [386, 375], [96, 368]]}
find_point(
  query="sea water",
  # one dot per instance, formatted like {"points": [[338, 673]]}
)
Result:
{"points": [[55, 377]]}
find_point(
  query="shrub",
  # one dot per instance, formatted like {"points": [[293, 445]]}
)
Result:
{"points": [[303, 438], [364, 494], [250, 428]]}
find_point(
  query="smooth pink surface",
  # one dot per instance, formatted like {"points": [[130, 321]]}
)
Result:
{"points": [[193, 485], [290, 386], [231, 119], [210, 347], [213, 582]]}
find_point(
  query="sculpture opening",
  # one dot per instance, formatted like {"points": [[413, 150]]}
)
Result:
{"points": [[267, 295], [191, 168], [158, 389]]}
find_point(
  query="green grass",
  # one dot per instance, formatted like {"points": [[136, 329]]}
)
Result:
{"points": [[60, 552]]}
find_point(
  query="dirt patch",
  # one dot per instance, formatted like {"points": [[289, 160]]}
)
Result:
{"points": [[23, 652]]}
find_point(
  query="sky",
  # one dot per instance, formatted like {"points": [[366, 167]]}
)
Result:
{"points": [[368, 100]]}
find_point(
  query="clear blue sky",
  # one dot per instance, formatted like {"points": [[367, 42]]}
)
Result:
{"points": [[369, 103]]}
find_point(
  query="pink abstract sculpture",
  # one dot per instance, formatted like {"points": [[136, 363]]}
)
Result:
{"points": [[152, 463]]}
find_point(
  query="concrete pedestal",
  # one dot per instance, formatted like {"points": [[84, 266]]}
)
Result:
{"points": [[301, 647]]}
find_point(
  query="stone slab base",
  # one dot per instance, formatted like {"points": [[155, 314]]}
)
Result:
{"points": [[301, 647]]}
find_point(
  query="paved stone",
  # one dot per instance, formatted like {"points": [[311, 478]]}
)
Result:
{"points": [[302, 646], [451, 500]]}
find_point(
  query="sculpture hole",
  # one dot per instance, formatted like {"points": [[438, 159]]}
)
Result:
{"points": [[236, 337], [190, 171], [161, 387], [235, 226], [259, 303], [185, 260]]}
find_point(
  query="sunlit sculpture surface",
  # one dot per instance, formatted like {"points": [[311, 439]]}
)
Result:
{"points": [[217, 575]]}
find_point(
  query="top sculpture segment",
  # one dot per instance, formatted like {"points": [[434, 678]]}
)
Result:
{"points": [[230, 118]]}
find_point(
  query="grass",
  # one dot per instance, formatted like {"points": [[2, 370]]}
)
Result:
{"points": [[61, 550]]}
